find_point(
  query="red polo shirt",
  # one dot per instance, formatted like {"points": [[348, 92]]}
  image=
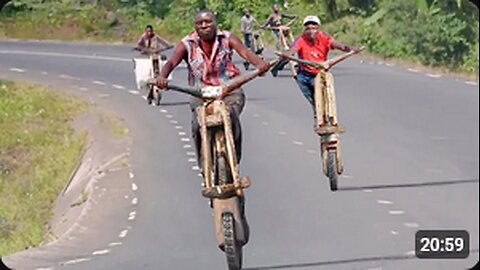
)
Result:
{"points": [[315, 52]]}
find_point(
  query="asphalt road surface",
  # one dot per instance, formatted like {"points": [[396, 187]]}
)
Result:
{"points": [[411, 154]]}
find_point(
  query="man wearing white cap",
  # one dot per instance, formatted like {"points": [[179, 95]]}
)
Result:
{"points": [[313, 45]]}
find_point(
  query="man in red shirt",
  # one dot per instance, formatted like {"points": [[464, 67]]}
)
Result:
{"points": [[312, 45]]}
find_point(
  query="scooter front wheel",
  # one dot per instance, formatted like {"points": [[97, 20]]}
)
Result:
{"points": [[233, 249], [332, 169]]}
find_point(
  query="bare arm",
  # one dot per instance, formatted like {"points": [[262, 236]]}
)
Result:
{"points": [[177, 56], [292, 18], [342, 47], [267, 22], [140, 44]]}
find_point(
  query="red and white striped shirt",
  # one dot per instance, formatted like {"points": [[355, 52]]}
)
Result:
{"points": [[215, 70]]}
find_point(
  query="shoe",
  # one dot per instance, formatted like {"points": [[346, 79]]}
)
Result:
{"points": [[274, 72]]}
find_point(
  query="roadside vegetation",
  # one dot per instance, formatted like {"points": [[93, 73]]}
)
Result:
{"points": [[436, 33], [38, 152]]}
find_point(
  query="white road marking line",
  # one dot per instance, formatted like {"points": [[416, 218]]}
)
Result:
{"points": [[114, 244], [144, 97], [384, 202], [396, 212], [131, 175], [101, 252], [190, 153], [163, 111], [19, 70], [116, 86], [184, 139], [103, 95], [132, 215], [123, 234], [182, 133], [471, 83], [435, 76], [135, 201], [346, 176], [75, 261], [311, 151], [68, 77], [390, 64], [411, 224], [394, 232], [134, 187], [256, 115], [169, 116], [134, 92], [195, 168], [84, 89], [283, 133], [265, 123], [99, 83], [410, 252], [413, 70], [367, 190], [126, 197], [44, 73], [178, 127], [94, 57], [297, 142], [48, 268], [193, 160], [187, 146], [174, 122]]}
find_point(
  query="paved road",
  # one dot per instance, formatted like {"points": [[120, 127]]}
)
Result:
{"points": [[410, 150]]}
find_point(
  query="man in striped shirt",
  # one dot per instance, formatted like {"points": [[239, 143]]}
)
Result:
{"points": [[208, 54]]}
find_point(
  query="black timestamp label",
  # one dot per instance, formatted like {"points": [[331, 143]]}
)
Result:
{"points": [[445, 244]]}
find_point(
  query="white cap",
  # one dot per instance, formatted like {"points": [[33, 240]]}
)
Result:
{"points": [[313, 19]]}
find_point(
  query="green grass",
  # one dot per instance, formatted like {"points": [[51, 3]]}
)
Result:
{"points": [[38, 152]]}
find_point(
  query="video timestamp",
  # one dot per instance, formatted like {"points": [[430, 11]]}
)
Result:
{"points": [[444, 244]]}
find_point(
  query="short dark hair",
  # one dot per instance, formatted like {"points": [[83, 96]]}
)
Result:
{"points": [[206, 11], [149, 27]]}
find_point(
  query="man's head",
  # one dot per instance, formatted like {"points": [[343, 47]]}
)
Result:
{"points": [[246, 12], [149, 31], [206, 25], [311, 27], [276, 8]]}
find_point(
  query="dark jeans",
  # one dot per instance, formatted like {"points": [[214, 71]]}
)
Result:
{"points": [[306, 82], [235, 102], [247, 37]]}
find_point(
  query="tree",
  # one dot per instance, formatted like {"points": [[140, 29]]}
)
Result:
{"points": [[331, 7], [3, 3]]}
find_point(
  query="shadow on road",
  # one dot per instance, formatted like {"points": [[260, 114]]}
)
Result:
{"points": [[346, 261], [410, 185], [178, 103], [3, 266]]}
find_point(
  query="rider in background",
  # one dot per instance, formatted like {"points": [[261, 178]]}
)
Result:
{"points": [[246, 24], [208, 54], [152, 44], [313, 45], [275, 20]]}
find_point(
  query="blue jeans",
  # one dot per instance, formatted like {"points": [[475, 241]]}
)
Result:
{"points": [[276, 33], [306, 83]]}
